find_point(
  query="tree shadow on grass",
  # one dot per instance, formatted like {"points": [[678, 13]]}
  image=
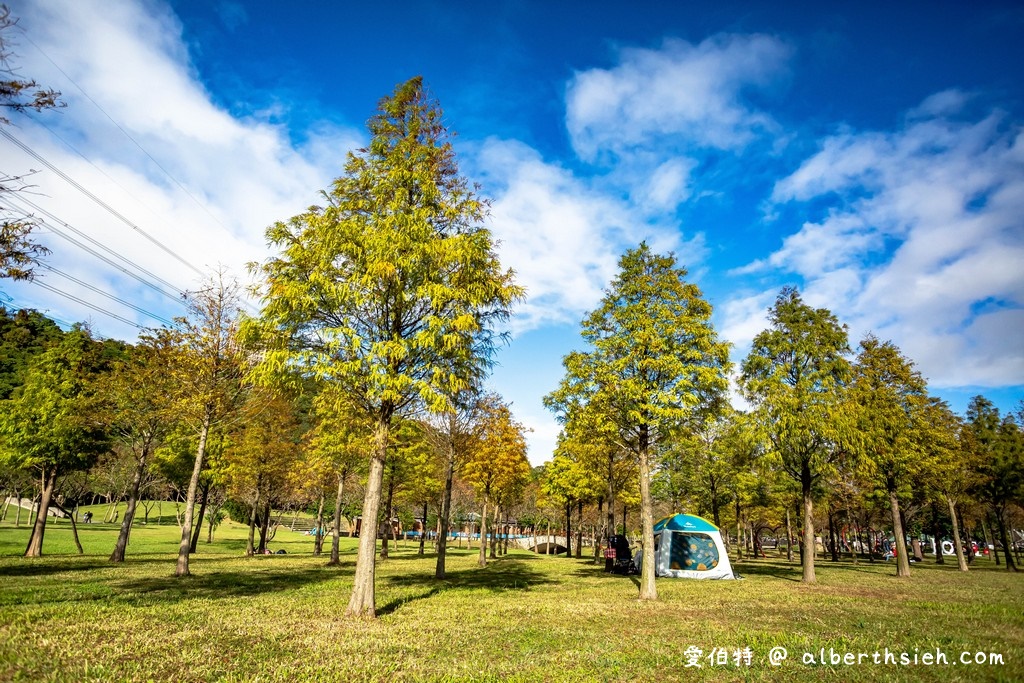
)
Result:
{"points": [[501, 575], [56, 564], [779, 572], [219, 585]]}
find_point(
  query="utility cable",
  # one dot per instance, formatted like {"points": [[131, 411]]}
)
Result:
{"points": [[99, 291], [127, 261], [57, 231], [116, 214], [128, 135], [85, 303]]}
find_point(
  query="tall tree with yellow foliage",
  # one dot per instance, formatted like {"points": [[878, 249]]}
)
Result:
{"points": [[391, 290]]}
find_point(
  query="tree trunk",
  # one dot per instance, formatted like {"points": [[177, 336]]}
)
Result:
{"points": [[568, 528], [648, 589], [199, 518], [74, 532], [832, 536], [496, 529], [129, 512], [1004, 538], [937, 533], [336, 537], [789, 537], [482, 559], [856, 537], [211, 521], [579, 529], [190, 501], [250, 548], [387, 517], [547, 544], [35, 542], [264, 528], [989, 538], [807, 551], [33, 514], [958, 546], [597, 542], [611, 496], [713, 493], [423, 532], [445, 519], [900, 547], [318, 539], [363, 600], [739, 529]]}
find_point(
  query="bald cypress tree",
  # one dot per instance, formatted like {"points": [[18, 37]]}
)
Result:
{"points": [[655, 363], [892, 399], [391, 291], [796, 374]]}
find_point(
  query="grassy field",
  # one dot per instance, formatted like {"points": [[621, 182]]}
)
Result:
{"points": [[67, 617]]}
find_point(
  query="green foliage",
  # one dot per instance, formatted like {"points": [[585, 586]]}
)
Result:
{"points": [[999, 447], [209, 363], [415, 464], [391, 291], [53, 421], [947, 467], [656, 359], [795, 375], [24, 334], [656, 365], [573, 474], [892, 398], [139, 395], [237, 510], [263, 450]]}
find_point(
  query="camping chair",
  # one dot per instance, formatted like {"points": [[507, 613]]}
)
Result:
{"points": [[623, 556]]}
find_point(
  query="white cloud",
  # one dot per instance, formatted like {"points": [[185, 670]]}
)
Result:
{"points": [[562, 235], [922, 242], [690, 94], [561, 238], [229, 178]]}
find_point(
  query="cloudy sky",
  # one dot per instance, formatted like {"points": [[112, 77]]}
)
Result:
{"points": [[871, 156]]}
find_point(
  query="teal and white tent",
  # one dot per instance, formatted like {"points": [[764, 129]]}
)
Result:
{"points": [[690, 547]]}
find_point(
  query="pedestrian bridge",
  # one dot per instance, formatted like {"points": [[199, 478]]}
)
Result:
{"points": [[541, 544]]}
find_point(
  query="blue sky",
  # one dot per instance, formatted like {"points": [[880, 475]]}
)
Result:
{"points": [[870, 154]]}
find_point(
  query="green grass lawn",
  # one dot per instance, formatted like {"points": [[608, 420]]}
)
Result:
{"points": [[67, 617]]}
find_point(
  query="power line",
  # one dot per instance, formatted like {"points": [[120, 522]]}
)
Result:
{"points": [[99, 291], [128, 135], [10, 300], [57, 231], [85, 303], [116, 214]]}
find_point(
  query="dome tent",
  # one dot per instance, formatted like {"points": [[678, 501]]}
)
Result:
{"points": [[690, 547]]}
